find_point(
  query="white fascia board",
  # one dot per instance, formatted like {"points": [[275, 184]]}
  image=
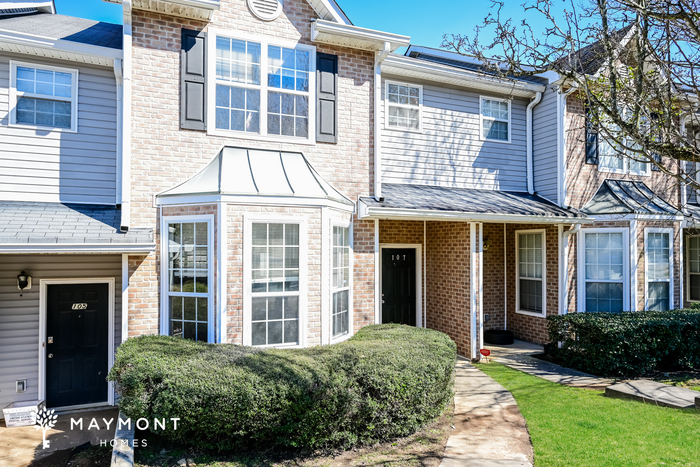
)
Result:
{"points": [[641, 217], [421, 69], [83, 51], [203, 4], [47, 6], [329, 8], [78, 248], [252, 201], [552, 76], [369, 39], [421, 214]]}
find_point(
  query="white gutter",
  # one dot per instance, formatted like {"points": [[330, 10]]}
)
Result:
{"points": [[126, 121], [78, 248], [85, 52], [561, 144], [530, 170], [378, 60], [426, 214]]}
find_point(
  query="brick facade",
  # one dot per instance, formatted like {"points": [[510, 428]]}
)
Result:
{"points": [[164, 156]]}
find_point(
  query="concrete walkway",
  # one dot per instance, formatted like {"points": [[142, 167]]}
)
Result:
{"points": [[489, 429], [518, 356], [654, 393]]}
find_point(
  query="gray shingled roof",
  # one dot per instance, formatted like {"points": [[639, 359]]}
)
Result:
{"points": [[589, 59], [627, 197], [464, 65], [67, 28], [465, 200], [47, 223]]}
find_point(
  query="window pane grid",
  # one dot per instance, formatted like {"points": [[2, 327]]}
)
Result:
{"points": [[43, 112], [237, 61], [530, 271], [658, 270], [604, 271], [287, 114], [341, 280], [494, 119], [44, 82], [237, 109], [275, 284], [288, 69], [188, 279], [403, 106]]}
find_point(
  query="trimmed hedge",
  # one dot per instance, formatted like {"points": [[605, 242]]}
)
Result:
{"points": [[386, 381], [627, 344]]}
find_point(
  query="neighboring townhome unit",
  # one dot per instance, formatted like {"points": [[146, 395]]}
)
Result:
{"points": [[62, 250]]}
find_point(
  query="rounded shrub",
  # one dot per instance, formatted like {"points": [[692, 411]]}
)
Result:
{"points": [[627, 344], [386, 381]]}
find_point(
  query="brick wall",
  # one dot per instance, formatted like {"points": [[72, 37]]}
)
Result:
{"points": [[164, 156], [494, 280]]}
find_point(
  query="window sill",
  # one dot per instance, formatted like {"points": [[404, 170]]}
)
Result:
{"points": [[49, 129], [530, 313], [341, 338], [277, 346], [259, 137], [489, 140]]}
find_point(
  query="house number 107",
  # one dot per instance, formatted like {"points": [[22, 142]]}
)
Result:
{"points": [[398, 257]]}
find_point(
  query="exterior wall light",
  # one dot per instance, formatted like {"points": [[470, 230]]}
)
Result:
{"points": [[24, 281]]}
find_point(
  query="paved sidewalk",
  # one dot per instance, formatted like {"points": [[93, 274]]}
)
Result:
{"points": [[489, 429], [518, 356], [655, 393]]}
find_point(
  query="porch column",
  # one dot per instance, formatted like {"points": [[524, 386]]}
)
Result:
{"points": [[476, 288]]}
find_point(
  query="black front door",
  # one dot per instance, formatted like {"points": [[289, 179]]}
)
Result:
{"points": [[399, 285], [77, 330]]}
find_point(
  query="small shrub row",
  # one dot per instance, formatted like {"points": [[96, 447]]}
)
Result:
{"points": [[386, 381], [626, 344]]}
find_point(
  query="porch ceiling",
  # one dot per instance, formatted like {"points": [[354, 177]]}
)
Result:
{"points": [[432, 202]]}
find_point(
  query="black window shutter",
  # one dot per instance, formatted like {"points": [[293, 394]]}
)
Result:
{"points": [[657, 159], [327, 98], [591, 140], [193, 86]]}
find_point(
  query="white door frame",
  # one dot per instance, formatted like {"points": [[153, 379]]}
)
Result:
{"points": [[419, 274], [43, 288]]}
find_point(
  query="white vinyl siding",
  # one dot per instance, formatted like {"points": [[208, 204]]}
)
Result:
{"points": [[531, 272], [19, 316], [449, 150], [659, 266], [544, 145], [62, 166]]}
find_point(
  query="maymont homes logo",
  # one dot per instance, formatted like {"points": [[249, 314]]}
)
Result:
{"points": [[47, 419]]}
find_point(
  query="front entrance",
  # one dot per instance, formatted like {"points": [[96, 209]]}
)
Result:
{"points": [[77, 343], [399, 286]]}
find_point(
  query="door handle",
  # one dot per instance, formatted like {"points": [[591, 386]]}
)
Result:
{"points": [[382, 301], [50, 355]]}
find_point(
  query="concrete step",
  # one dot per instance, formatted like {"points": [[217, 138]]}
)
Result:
{"points": [[655, 393]]}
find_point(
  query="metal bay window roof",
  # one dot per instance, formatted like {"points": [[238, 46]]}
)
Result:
{"points": [[628, 197], [240, 173]]}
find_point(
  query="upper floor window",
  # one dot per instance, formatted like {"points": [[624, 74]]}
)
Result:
{"points": [[263, 89], [495, 119], [43, 96], [614, 158], [403, 106]]}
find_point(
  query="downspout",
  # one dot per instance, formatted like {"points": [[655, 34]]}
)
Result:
{"points": [[126, 120], [530, 169], [378, 60], [561, 145], [118, 76]]}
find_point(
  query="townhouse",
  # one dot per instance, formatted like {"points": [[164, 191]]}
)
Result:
{"points": [[266, 173]]}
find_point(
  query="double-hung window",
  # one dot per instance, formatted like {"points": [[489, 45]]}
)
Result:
{"points": [[531, 272], [694, 268], [263, 88], [275, 284], [604, 275], [658, 269], [403, 106], [340, 286], [188, 297], [495, 119], [44, 96], [618, 154]]}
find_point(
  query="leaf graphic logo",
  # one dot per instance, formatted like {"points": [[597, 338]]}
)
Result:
{"points": [[45, 419]]}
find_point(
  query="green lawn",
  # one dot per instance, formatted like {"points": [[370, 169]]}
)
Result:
{"points": [[580, 427]]}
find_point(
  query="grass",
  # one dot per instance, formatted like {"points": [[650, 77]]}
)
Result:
{"points": [[683, 379], [422, 449], [581, 427]]}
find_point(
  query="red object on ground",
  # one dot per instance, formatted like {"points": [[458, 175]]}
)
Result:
{"points": [[485, 352]]}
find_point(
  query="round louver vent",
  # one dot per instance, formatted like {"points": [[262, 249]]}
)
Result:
{"points": [[266, 10]]}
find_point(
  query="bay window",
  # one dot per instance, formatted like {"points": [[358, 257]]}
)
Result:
{"points": [[531, 273], [340, 286], [604, 270], [263, 89], [659, 265]]}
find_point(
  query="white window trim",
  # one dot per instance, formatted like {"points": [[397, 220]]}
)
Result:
{"points": [[264, 42], [671, 293], [248, 221], [581, 265], [341, 337], [542, 232], [15, 95], [482, 118], [405, 106], [687, 267], [164, 282]]}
